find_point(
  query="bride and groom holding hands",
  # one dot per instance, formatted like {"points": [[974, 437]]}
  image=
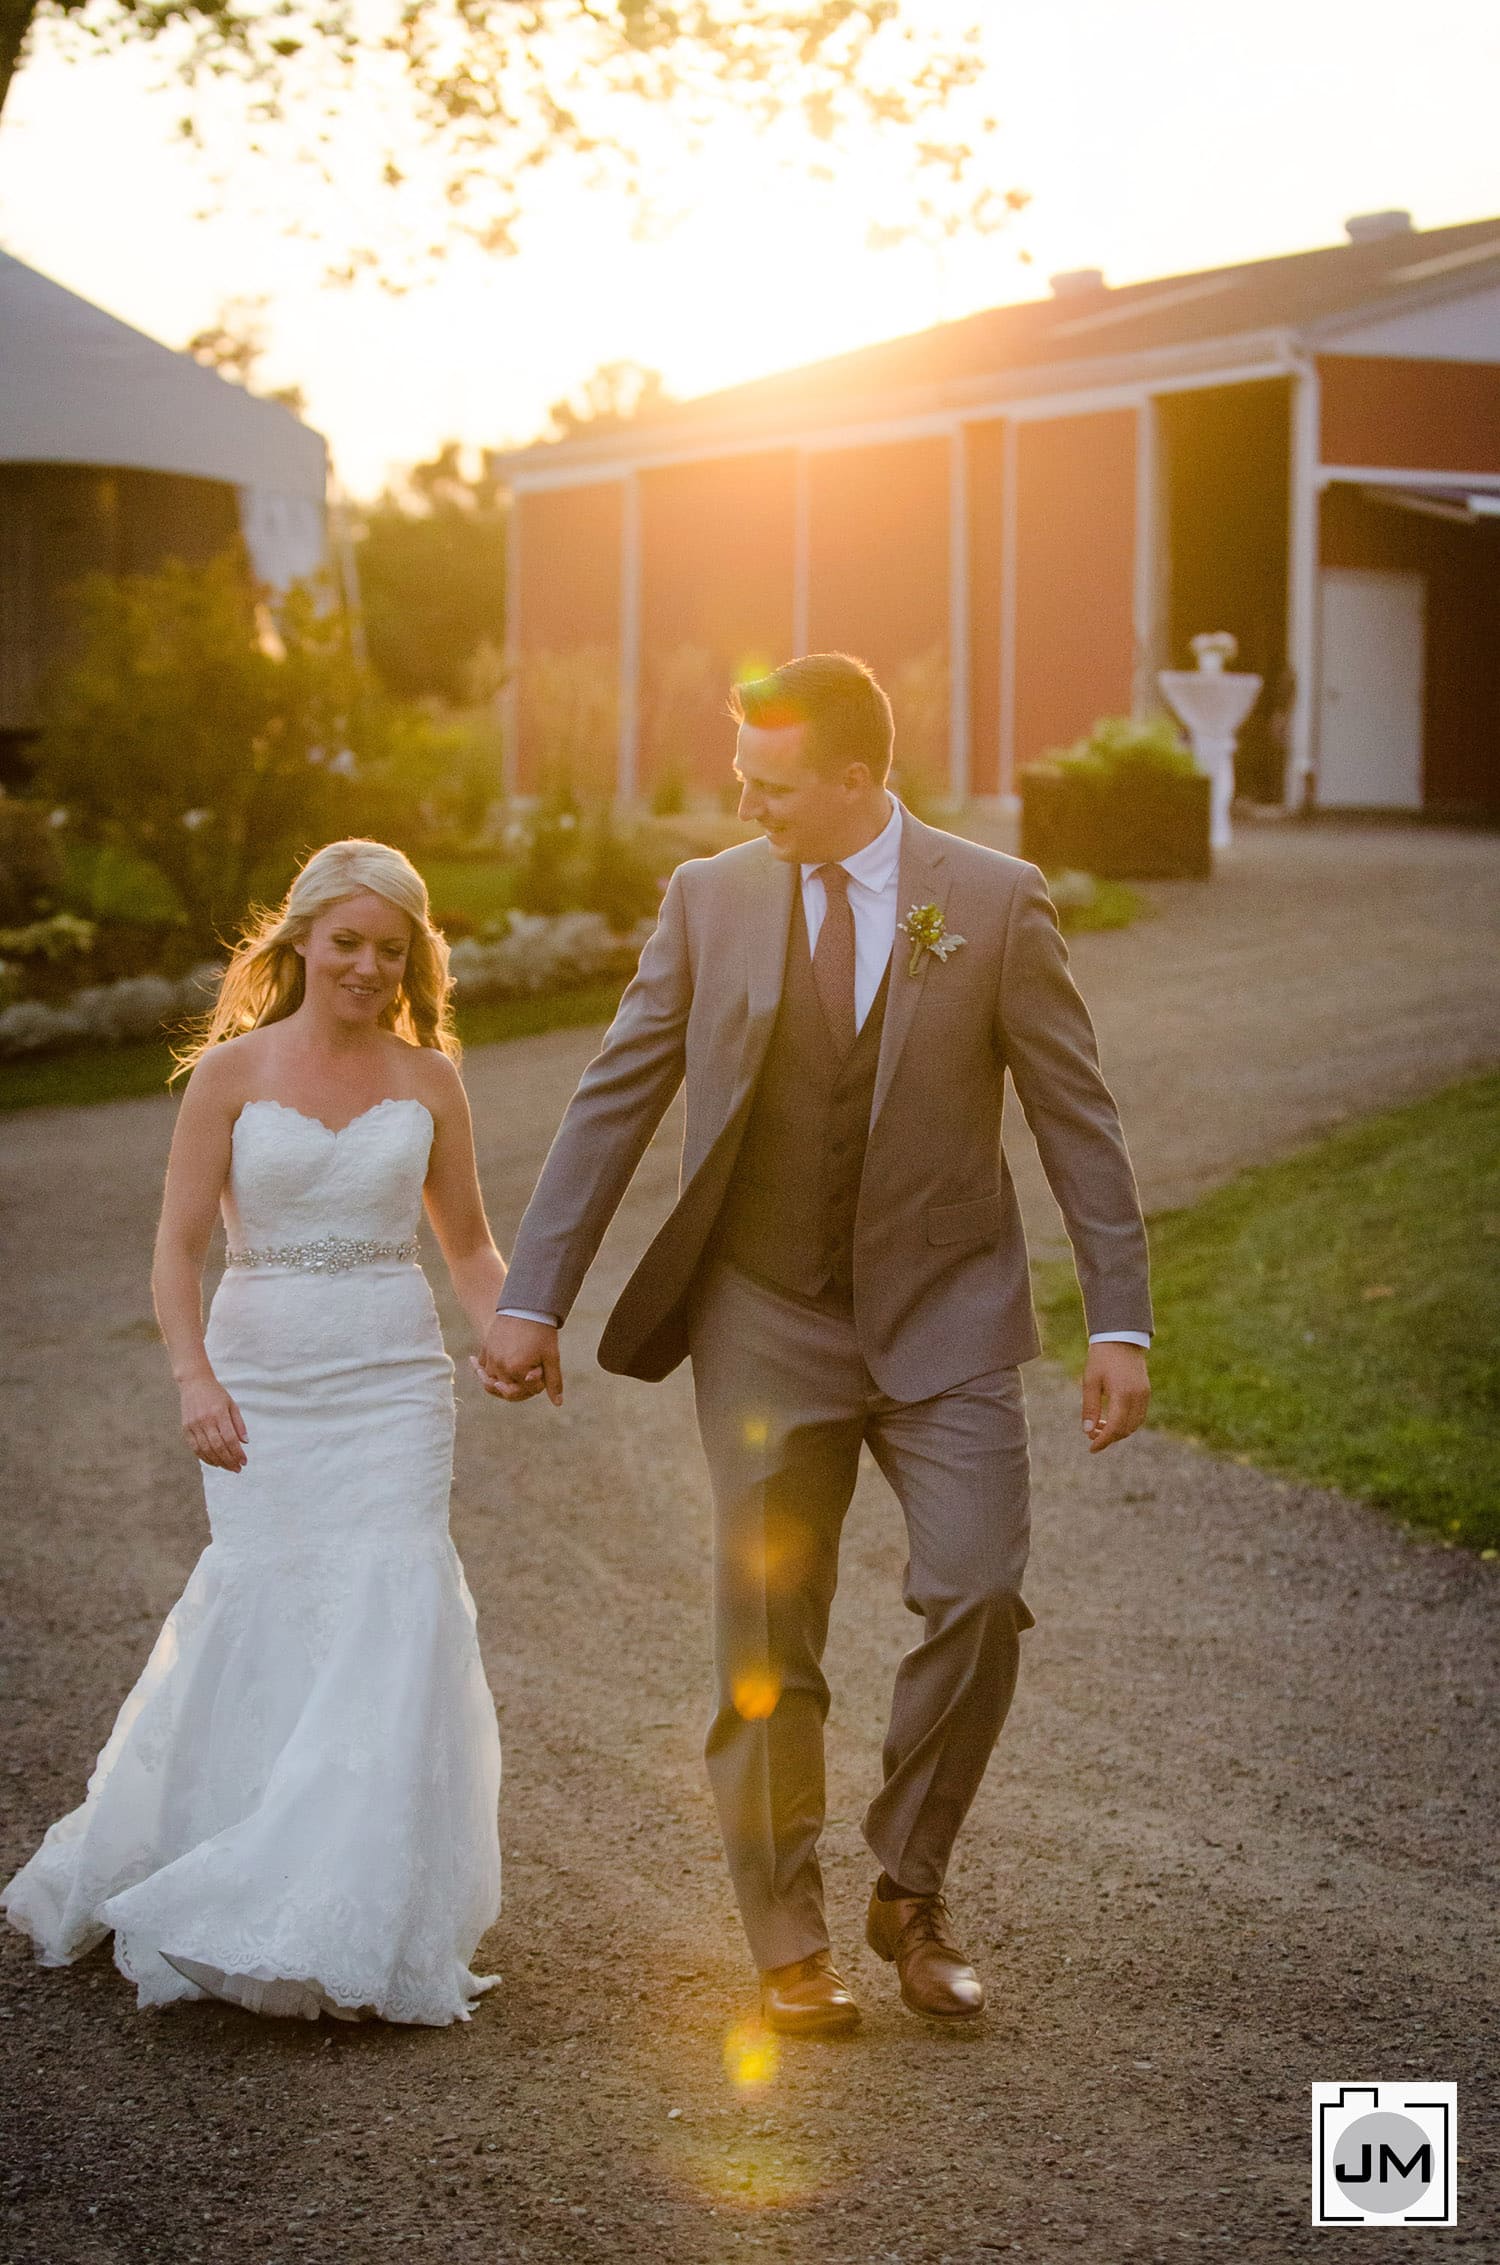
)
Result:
{"points": [[296, 1810]]}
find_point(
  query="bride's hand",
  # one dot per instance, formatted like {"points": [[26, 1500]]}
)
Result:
{"points": [[212, 1425]]}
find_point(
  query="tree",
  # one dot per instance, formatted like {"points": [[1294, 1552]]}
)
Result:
{"points": [[471, 99], [432, 579], [234, 346], [200, 735], [615, 393]]}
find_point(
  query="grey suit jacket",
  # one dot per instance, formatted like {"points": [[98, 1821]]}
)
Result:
{"points": [[941, 1286]]}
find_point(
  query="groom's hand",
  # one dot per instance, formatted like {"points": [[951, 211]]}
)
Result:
{"points": [[519, 1359], [1116, 1394]]}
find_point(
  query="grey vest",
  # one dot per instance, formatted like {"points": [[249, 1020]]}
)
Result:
{"points": [[789, 1214]]}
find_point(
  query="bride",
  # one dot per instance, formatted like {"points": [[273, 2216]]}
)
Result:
{"points": [[296, 1810]]}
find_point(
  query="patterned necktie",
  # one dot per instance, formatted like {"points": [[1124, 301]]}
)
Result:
{"points": [[833, 961]]}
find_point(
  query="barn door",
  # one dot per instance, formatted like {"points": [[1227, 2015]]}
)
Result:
{"points": [[1374, 641]]}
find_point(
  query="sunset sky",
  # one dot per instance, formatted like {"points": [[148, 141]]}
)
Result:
{"points": [[1153, 136]]}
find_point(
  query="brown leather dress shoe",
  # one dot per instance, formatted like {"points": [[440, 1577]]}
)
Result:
{"points": [[936, 1979], [809, 1998]]}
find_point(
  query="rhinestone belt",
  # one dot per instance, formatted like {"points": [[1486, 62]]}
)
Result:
{"points": [[331, 1254]]}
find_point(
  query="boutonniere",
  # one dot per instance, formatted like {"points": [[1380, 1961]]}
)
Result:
{"points": [[925, 931]]}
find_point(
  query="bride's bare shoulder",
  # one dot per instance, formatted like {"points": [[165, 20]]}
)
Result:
{"points": [[225, 1075], [434, 1077]]}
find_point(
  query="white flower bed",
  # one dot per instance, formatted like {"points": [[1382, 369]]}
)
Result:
{"points": [[106, 1014], [537, 955], [541, 954]]}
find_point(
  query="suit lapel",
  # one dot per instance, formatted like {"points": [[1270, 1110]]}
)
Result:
{"points": [[924, 878]]}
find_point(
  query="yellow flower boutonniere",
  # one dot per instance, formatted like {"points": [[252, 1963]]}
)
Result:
{"points": [[925, 931]]}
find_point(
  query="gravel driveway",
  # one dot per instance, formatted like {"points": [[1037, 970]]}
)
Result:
{"points": [[1240, 1834]]}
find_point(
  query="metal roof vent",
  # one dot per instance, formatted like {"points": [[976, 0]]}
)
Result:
{"points": [[1076, 282], [1371, 227]]}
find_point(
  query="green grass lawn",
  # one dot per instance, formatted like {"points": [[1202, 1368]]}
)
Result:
{"points": [[115, 1073], [1337, 1316]]}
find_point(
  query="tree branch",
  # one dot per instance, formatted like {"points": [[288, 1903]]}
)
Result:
{"points": [[15, 22]]}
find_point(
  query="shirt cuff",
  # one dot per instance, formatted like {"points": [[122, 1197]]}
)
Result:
{"points": [[519, 1313], [1120, 1337]]}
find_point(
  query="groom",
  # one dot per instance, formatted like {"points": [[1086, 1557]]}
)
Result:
{"points": [[845, 1265]]}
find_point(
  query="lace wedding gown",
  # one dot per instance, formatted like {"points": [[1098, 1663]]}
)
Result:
{"points": [[297, 1806]]}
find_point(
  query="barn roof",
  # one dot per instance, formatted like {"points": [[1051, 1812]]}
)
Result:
{"points": [[78, 386], [1078, 336]]}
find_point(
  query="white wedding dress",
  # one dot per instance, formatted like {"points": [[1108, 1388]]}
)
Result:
{"points": [[296, 1809]]}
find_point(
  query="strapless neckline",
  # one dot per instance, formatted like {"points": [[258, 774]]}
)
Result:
{"points": [[336, 1132]]}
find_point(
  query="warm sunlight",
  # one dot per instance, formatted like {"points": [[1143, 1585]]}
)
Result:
{"points": [[1148, 142]]}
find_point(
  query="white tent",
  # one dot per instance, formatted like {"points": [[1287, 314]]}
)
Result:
{"points": [[77, 386]]}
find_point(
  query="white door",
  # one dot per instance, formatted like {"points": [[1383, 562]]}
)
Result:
{"points": [[1370, 737]]}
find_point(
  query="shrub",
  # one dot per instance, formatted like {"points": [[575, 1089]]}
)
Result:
{"points": [[426, 777], [571, 703], [31, 864], [432, 582], [198, 731], [920, 691], [61, 936], [684, 711], [669, 796], [1120, 747], [1126, 803]]}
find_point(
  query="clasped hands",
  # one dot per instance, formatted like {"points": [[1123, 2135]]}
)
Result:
{"points": [[519, 1359]]}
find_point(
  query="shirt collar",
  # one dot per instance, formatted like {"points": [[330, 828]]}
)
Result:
{"points": [[876, 865]]}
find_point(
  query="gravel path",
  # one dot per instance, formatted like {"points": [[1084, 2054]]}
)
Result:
{"points": [[1236, 1838]]}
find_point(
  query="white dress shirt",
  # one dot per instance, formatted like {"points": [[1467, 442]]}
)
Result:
{"points": [[874, 899]]}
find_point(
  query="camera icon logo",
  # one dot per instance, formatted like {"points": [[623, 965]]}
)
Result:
{"points": [[1385, 2154]]}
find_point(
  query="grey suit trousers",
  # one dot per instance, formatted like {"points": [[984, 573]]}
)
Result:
{"points": [[785, 1402]]}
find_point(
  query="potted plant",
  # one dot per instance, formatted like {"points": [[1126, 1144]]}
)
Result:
{"points": [[1127, 803]]}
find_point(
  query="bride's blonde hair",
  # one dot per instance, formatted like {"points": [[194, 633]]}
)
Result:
{"points": [[265, 979]]}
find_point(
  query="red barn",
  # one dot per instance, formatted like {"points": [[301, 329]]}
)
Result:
{"points": [[1020, 517]]}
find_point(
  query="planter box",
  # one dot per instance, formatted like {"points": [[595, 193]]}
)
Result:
{"points": [[1136, 825]]}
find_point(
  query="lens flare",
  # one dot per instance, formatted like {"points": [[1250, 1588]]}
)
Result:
{"points": [[755, 1431], [751, 2056], [780, 1555], [755, 1694]]}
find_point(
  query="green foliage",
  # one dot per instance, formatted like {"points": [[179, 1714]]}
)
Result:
{"points": [[429, 778], [61, 936], [1121, 747], [490, 98], [669, 796], [1337, 1315], [31, 864], [547, 853], [200, 743], [618, 879], [1085, 903], [197, 733], [920, 692], [469, 895], [432, 581], [572, 707], [612, 395], [105, 881], [568, 860]]}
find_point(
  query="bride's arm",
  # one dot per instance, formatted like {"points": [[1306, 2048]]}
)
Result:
{"points": [[454, 1202], [196, 1172]]}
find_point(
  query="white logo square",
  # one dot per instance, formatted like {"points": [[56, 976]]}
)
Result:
{"points": [[1385, 2154]]}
